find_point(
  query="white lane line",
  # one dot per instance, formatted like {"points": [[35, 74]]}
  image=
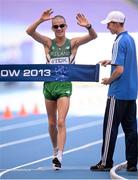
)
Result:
{"points": [[49, 157], [48, 168], [23, 124], [24, 140], [41, 136]]}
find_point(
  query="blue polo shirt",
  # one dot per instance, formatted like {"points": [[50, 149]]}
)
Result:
{"points": [[124, 54]]}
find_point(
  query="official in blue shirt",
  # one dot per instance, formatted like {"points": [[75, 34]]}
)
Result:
{"points": [[124, 55], [122, 95]]}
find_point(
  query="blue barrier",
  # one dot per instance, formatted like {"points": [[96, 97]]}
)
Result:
{"points": [[49, 72]]}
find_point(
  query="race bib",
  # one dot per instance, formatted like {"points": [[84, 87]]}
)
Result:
{"points": [[61, 60]]}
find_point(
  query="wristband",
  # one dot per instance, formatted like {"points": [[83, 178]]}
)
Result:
{"points": [[89, 26]]}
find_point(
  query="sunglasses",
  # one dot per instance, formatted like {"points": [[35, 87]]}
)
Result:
{"points": [[57, 26]]}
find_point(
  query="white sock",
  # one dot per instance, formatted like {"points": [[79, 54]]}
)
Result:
{"points": [[55, 152], [59, 155]]}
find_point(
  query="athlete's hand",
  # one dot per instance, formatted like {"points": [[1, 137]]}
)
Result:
{"points": [[46, 15], [82, 20]]}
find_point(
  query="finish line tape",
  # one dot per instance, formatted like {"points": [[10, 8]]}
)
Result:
{"points": [[49, 72]]}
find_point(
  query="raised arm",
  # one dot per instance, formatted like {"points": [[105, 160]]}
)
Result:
{"points": [[83, 21], [31, 30]]}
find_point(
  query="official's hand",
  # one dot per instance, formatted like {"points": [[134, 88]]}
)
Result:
{"points": [[106, 81], [105, 62]]}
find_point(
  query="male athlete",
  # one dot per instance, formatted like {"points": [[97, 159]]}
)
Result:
{"points": [[59, 50]]}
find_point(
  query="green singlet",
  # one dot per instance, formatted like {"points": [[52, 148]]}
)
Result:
{"points": [[58, 55]]}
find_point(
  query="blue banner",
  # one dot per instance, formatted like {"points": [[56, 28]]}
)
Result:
{"points": [[49, 72]]}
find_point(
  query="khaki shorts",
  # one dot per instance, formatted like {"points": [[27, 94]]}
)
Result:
{"points": [[55, 90]]}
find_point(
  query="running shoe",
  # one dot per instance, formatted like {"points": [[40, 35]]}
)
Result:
{"points": [[56, 164]]}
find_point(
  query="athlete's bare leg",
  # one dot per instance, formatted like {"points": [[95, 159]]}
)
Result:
{"points": [[57, 127], [51, 107], [62, 107]]}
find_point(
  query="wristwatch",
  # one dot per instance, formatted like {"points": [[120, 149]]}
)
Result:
{"points": [[89, 26]]}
